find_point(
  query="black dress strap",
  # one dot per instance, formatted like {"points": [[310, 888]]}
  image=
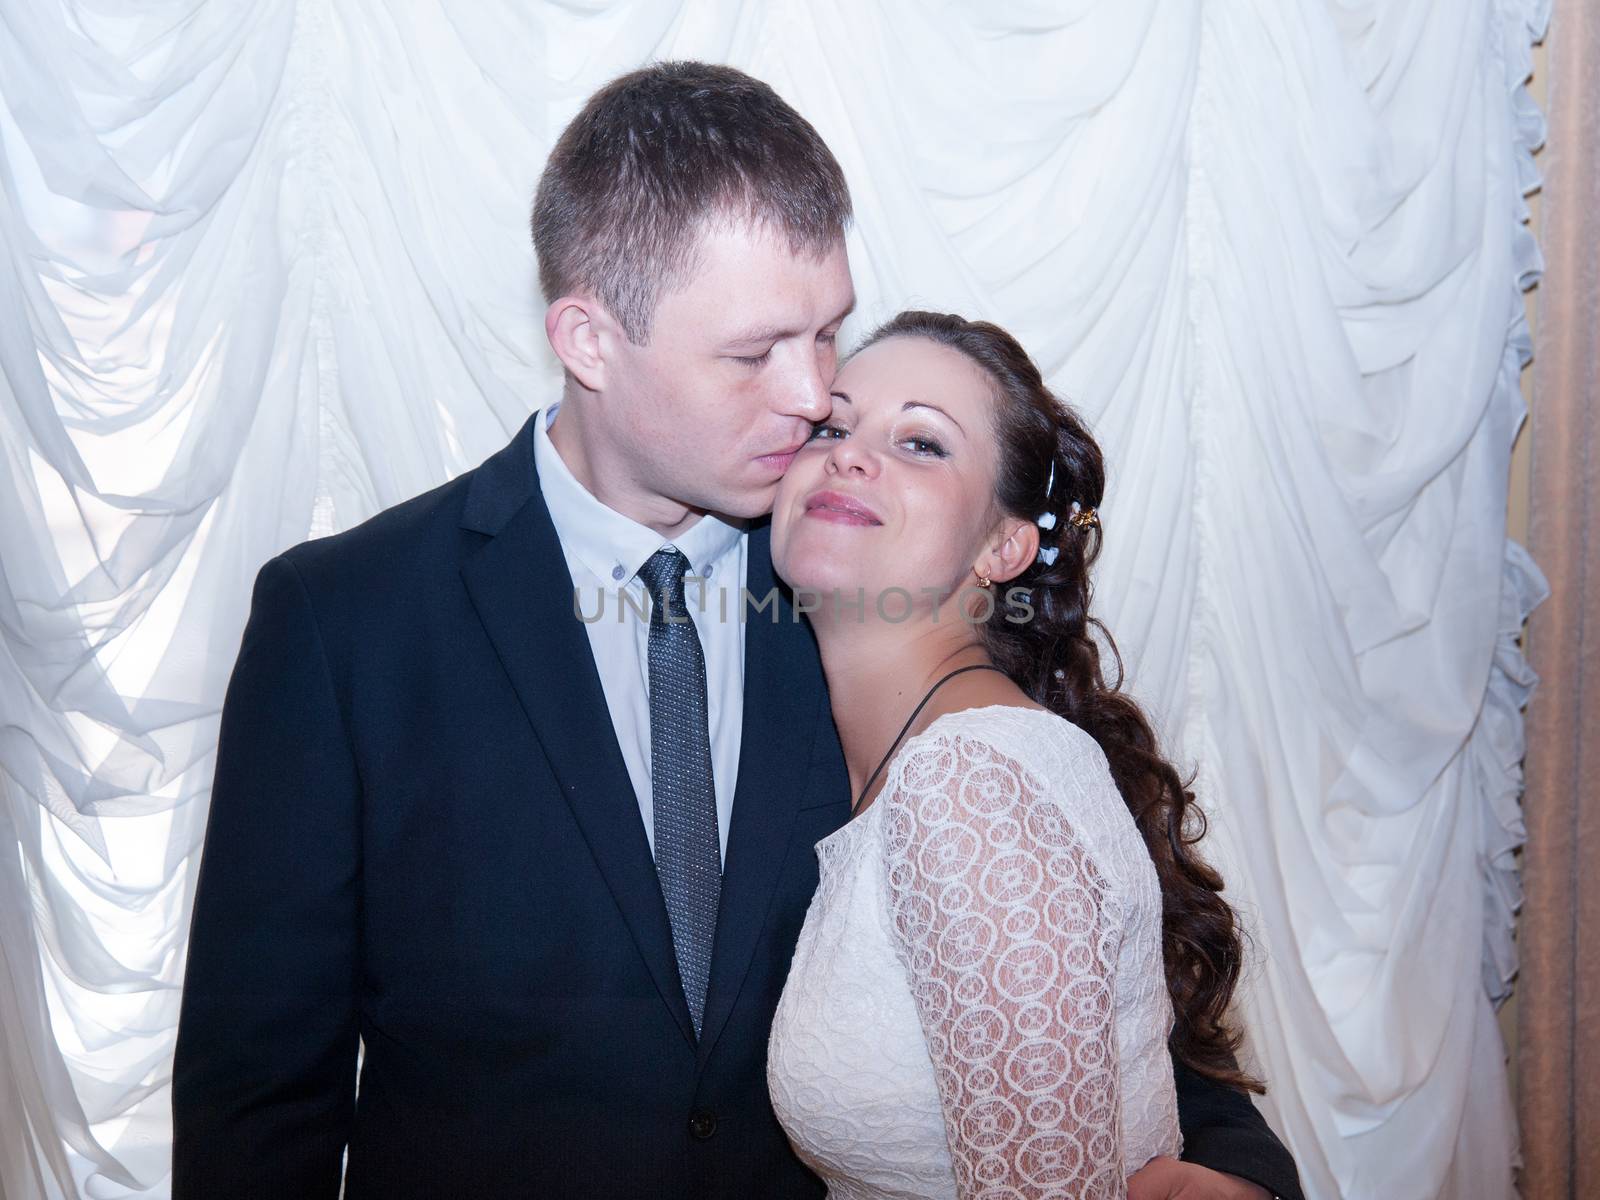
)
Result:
{"points": [[938, 683]]}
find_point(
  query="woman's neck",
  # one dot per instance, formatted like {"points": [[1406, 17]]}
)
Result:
{"points": [[878, 672]]}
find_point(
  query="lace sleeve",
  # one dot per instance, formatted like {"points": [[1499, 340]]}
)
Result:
{"points": [[1006, 930]]}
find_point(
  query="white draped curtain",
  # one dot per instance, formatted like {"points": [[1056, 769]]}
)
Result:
{"points": [[266, 271]]}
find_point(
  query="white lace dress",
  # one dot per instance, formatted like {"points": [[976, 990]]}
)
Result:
{"points": [[976, 1005]]}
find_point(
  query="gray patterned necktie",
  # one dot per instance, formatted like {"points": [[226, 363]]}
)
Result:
{"points": [[688, 851]]}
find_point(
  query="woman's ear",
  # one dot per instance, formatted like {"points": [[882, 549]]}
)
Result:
{"points": [[1014, 552], [580, 331]]}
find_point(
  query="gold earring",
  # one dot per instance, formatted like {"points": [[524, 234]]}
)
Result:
{"points": [[983, 581]]}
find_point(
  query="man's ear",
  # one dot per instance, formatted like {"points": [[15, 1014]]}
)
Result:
{"points": [[1014, 552], [580, 332]]}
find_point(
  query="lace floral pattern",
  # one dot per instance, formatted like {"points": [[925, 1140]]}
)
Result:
{"points": [[1002, 923], [977, 1005]]}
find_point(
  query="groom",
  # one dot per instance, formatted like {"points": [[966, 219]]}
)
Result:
{"points": [[548, 872]]}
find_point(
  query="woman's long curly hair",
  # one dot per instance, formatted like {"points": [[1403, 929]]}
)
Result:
{"points": [[1047, 463]]}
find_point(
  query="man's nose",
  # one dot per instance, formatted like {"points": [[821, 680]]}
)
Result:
{"points": [[805, 393]]}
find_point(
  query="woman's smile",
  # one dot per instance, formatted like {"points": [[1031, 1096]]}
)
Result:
{"points": [[840, 509]]}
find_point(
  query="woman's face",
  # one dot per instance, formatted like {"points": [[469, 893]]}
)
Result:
{"points": [[896, 488]]}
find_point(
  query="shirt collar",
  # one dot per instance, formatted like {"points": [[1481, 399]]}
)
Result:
{"points": [[608, 544]]}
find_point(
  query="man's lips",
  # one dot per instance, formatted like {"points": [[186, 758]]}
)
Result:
{"points": [[840, 509], [779, 460]]}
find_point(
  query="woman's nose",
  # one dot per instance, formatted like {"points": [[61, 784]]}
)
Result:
{"points": [[851, 456]]}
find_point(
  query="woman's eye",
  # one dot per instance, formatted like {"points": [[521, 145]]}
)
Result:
{"points": [[922, 445], [822, 431], [827, 339]]}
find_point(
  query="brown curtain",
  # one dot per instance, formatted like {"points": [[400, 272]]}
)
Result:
{"points": [[1558, 994]]}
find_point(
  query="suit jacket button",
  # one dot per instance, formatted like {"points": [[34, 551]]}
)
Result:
{"points": [[702, 1124]]}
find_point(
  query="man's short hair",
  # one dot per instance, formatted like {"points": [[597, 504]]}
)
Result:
{"points": [[651, 159]]}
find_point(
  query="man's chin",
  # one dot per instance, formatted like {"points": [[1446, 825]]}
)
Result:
{"points": [[745, 505]]}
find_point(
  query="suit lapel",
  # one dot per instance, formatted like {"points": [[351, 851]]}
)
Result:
{"points": [[522, 591], [782, 699]]}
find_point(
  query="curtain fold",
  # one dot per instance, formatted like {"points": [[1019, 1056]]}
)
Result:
{"points": [[272, 272], [1558, 995]]}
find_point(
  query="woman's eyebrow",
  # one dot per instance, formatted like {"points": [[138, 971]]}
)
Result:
{"points": [[910, 404]]}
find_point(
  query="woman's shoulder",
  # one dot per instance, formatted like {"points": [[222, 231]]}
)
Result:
{"points": [[1034, 738], [1000, 757]]}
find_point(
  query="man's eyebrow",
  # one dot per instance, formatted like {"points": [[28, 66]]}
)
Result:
{"points": [[760, 333], [774, 333]]}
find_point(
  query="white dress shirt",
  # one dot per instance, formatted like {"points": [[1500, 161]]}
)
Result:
{"points": [[604, 551]]}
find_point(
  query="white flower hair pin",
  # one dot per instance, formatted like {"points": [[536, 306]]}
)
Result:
{"points": [[1078, 516], [1047, 519]]}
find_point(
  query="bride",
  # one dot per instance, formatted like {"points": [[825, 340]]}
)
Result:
{"points": [[1014, 921]]}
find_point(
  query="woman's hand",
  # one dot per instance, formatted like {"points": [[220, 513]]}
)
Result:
{"points": [[1169, 1179]]}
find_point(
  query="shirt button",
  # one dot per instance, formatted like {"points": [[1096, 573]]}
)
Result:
{"points": [[617, 572], [702, 1124], [707, 572]]}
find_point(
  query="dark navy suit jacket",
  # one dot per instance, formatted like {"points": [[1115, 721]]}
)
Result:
{"points": [[423, 836]]}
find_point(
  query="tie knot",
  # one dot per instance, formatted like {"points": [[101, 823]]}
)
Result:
{"points": [[662, 575]]}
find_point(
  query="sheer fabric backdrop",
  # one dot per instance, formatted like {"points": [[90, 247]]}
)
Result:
{"points": [[267, 271]]}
